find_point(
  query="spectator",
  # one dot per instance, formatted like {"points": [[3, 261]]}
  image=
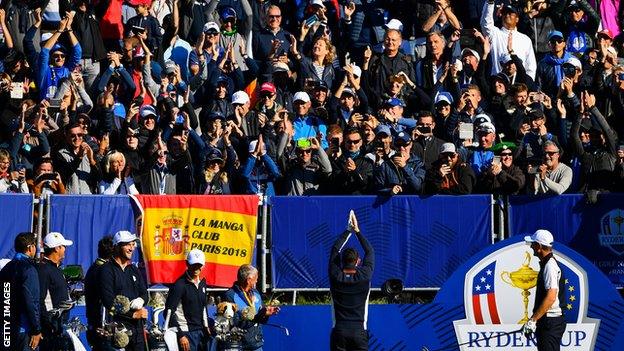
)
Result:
{"points": [[45, 180], [550, 177], [316, 67], [507, 40], [272, 41], [404, 173], [579, 21], [381, 67], [305, 174], [50, 75], [216, 180], [426, 145], [550, 70], [449, 174], [116, 177], [306, 125], [503, 177], [260, 171], [351, 170], [76, 162]]}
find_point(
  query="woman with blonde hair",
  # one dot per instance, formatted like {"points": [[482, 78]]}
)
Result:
{"points": [[318, 66], [116, 178]]}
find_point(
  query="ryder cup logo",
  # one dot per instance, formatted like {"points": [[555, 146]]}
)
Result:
{"points": [[611, 231], [499, 294]]}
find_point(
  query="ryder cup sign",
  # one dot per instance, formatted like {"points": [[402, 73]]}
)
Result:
{"points": [[499, 293]]}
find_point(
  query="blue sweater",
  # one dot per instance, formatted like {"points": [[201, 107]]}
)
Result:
{"points": [[49, 76]]}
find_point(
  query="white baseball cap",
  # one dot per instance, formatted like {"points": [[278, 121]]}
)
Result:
{"points": [[240, 97], [301, 96], [357, 71], [574, 62], [196, 256], [395, 24], [211, 26], [447, 147], [541, 236], [318, 2], [123, 236], [55, 239]]}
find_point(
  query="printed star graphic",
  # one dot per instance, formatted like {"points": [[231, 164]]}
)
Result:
{"points": [[488, 272], [568, 306], [572, 298], [571, 288], [487, 287], [482, 279], [567, 281], [477, 288]]}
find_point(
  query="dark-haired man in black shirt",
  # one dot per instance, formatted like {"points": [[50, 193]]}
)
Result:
{"points": [[350, 287], [93, 299]]}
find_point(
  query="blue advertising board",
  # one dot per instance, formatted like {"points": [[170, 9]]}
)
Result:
{"points": [[419, 240]]}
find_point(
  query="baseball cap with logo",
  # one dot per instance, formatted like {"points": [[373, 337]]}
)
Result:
{"points": [[240, 98], [268, 87], [123, 236], [542, 237], [447, 148], [301, 96], [196, 256], [211, 27], [55, 239]]}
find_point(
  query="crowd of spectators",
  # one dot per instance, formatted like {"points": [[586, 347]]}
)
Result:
{"points": [[303, 97]]}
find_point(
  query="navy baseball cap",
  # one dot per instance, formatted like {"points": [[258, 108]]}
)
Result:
{"points": [[392, 102]]}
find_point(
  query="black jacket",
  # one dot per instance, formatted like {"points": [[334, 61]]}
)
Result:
{"points": [[88, 20], [350, 291], [126, 282], [346, 182], [52, 292], [460, 181], [192, 301]]}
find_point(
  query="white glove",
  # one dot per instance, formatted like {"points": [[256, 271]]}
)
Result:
{"points": [[529, 327], [137, 304]]}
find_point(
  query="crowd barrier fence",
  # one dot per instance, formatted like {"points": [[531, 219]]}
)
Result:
{"points": [[420, 240]]}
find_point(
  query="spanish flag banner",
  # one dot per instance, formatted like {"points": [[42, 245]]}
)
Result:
{"points": [[223, 227]]}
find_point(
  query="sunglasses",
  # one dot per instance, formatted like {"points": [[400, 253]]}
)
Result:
{"points": [[449, 155], [551, 153], [353, 142], [304, 151], [58, 56], [556, 40], [76, 135], [507, 154]]}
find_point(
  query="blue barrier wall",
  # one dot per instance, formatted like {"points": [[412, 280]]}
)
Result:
{"points": [[595, 231], [16, 217], [419, 240], [85, 219]]}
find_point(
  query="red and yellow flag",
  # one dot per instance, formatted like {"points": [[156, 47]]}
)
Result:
{"points": [[223, 227]]}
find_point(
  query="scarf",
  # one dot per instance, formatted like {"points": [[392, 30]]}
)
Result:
{"points": [[557, 64]]}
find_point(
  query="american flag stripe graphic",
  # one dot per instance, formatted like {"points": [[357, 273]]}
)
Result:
{"points": [[484, 297]]}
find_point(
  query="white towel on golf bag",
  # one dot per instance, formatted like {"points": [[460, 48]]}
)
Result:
{"points": [[75, 341], [171, 339]]}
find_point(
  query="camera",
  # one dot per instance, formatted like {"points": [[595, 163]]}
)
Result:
{"points": [[335, 143], [424, 129], [569, 70]]}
